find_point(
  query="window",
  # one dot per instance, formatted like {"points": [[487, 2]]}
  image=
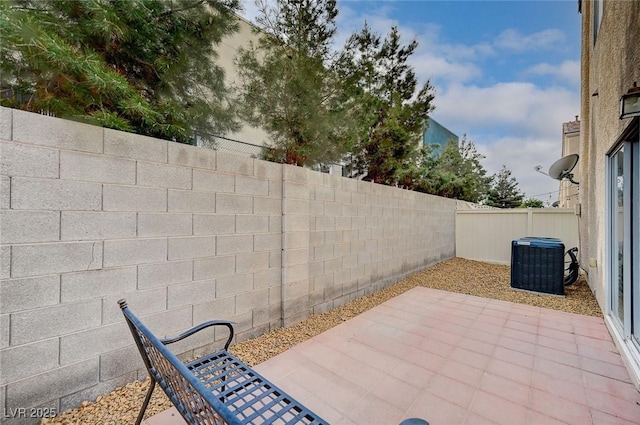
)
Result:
{"points": [[597, 17], [623, 178]]}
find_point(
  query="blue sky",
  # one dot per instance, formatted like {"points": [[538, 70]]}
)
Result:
{"points": [[506, 73]]}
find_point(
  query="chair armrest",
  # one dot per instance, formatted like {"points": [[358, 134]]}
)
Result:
{"points": [[201, 327]]}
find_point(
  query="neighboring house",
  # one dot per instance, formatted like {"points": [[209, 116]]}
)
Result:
{"points": [[227, 51], [568, 195], [437, 134], [610, 157], [248, 139]]}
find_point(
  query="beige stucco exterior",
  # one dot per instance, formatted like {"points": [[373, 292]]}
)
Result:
{"points": [[610, 65], [227, 51], [569, 192]]}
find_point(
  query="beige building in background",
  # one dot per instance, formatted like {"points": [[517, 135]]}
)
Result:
{"points": [[569, 192], [227, 51], [248, 139], [610, 168]]}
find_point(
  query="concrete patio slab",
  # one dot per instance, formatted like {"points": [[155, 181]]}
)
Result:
{"points": [[454, 359]]}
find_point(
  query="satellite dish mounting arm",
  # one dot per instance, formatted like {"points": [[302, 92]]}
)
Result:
{"points": [[569, 176]]}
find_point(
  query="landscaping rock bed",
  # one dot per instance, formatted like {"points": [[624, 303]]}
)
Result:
{"points": [[457, 275]]}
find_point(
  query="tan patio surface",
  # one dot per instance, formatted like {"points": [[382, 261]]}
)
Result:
{"points": [[452, 358]]}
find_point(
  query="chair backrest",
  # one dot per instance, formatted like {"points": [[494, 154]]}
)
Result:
{"points": [[195, 403]]}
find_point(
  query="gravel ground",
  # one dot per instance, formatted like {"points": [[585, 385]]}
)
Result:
{"points": [[457, 275]]}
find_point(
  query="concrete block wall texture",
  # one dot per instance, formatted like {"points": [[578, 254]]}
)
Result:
{"points": [[91, 215], [364, 237]]}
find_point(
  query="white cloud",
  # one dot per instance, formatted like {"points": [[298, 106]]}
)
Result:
{"points": [[450, 63], [568, 70], [515, 124], [518, 124], [429, 65], [349, 22], [517, 106], [521, 155], [250, 10], [473, 52], [429, 39], [511, 39]]}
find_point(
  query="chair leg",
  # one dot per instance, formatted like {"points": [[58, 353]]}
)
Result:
{"points": [[146, 401]]}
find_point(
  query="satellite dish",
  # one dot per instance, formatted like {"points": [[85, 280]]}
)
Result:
{"points": [[561, 169]]}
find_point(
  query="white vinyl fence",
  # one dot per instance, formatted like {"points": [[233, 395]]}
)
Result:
{"points": [[486, 235]]}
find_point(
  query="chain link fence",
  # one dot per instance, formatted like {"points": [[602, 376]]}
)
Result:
{"points": [[251, 150], [236, 147]]}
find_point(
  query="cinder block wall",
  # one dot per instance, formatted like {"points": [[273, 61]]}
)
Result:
{"points": [[91, 215], [364, 237]]}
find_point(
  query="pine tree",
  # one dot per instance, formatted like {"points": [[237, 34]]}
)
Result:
{"points": [[455, 173], [504, 192], [289, 84], [392, 108], [135, 65], [532, 203]]}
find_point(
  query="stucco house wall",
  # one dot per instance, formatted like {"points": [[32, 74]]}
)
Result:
{"points": [[610, 65]]}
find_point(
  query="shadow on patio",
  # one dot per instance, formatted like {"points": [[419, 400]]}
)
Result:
{"points": [[452, 358]]}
